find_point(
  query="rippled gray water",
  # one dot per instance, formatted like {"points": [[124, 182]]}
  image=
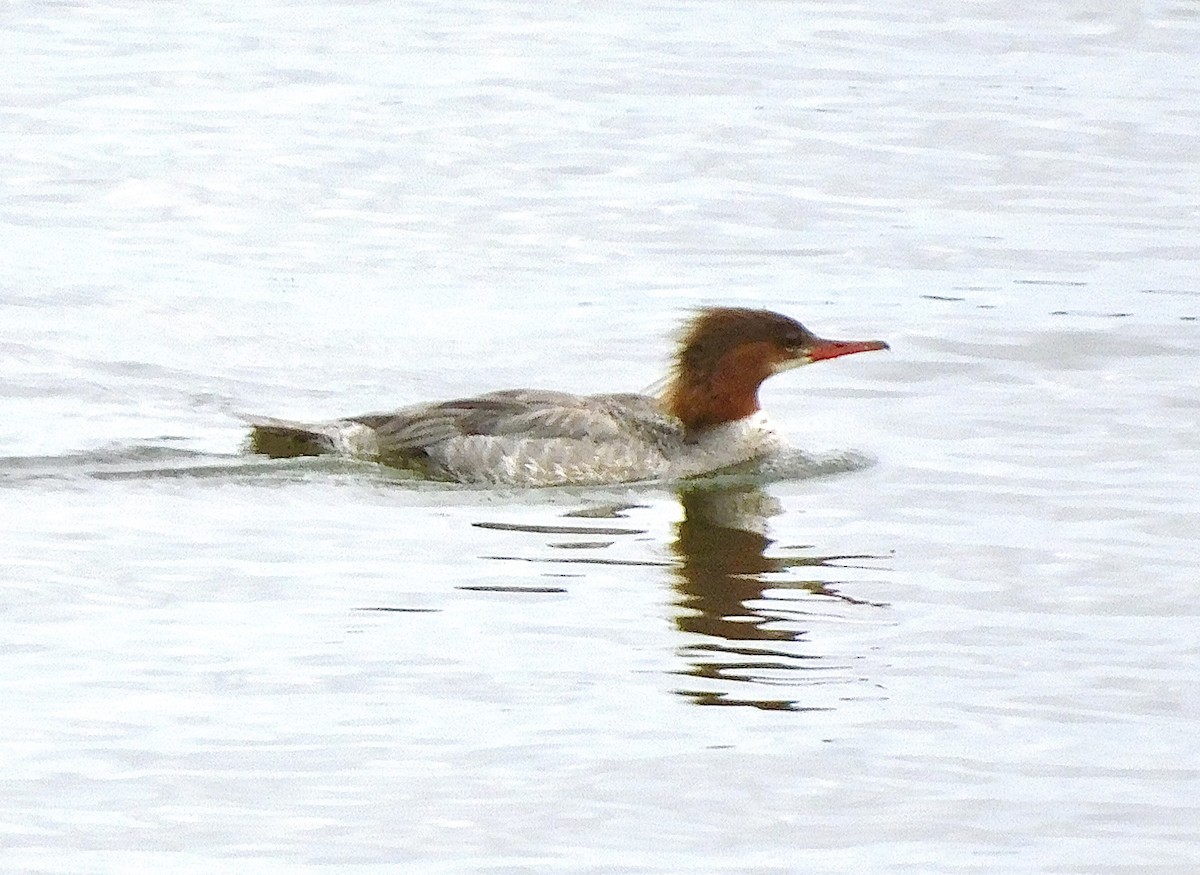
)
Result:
{"points": [[956, 632]]}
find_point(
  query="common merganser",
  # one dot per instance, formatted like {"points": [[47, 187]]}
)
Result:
{"points": [[706, 419]]}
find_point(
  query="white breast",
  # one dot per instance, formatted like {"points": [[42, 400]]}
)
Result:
{"points": [[724, 446]]}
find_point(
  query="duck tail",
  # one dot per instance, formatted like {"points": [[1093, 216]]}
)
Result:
{"points": [[281, 439]]}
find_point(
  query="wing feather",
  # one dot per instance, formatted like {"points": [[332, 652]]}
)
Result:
{"points": [[523, 414]]}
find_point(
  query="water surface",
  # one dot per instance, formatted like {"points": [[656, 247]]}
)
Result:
{"points": [[964, 643]]}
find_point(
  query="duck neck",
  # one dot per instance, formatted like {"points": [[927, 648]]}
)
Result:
{"points": [[701, 399]]}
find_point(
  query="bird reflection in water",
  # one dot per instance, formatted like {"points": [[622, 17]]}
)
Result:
{"points": [[742, 608], [724, 579]]}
